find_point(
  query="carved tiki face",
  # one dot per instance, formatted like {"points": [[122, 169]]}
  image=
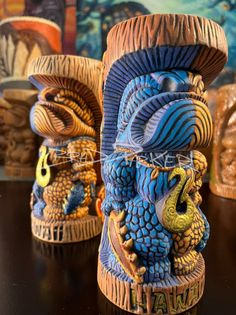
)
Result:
{"points": [[68, 115], [157, 68], [154, 84], [164, 110], [67, 106]]}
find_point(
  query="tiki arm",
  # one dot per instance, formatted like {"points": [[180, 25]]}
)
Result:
{"points": [[119, 179]]}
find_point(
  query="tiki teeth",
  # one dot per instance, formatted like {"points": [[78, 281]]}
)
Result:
{"points": [[123, 230], [128, 244]]}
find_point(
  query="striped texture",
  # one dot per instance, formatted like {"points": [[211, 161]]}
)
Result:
{"points": [[65, 116], [150, 31], [142, 96], [55, 67], [184, 124], [22, 39], [80, 75], [66, 232], [150, 43], [125, 70]]}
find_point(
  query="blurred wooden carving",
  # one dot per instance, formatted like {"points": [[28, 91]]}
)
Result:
{"points": [[68, 116], [24, 38], [21, 145], [3, 140], [21, 40], [223, 172]]}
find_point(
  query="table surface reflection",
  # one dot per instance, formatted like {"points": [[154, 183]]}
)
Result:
{"points": [[37, 278]]}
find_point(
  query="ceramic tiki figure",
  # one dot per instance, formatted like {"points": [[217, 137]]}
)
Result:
{"points": [[68, 115], [157, 68], [21, 40], [223, 171]]}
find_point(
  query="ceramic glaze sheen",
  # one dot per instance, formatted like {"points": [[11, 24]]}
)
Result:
{"points": [[68, 115], [157, 68]]}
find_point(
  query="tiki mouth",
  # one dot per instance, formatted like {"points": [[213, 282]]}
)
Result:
{"points": [[169, 121], [58, 122], [69, 100], [60, 116], [52, 120]]}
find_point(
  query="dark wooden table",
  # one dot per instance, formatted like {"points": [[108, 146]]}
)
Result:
{"points": [[44, 279]]}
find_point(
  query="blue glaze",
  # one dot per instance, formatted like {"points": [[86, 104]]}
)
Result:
{"points": [[38, 202], [75, 198], [151, 61], [149, 111], [206, 234]]}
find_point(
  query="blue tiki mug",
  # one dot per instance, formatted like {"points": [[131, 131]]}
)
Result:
{"points": [[157, 68]]}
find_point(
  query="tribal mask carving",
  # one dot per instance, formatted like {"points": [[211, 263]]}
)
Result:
{"points": [[157, 68], [68, 115]]}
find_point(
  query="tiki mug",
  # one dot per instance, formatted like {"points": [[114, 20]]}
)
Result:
{"points": [[157, 68], [21, 40], [68, 115], [223, 171]]}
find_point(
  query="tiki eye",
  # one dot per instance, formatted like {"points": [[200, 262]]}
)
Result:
{"points": [[168, 85]]}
